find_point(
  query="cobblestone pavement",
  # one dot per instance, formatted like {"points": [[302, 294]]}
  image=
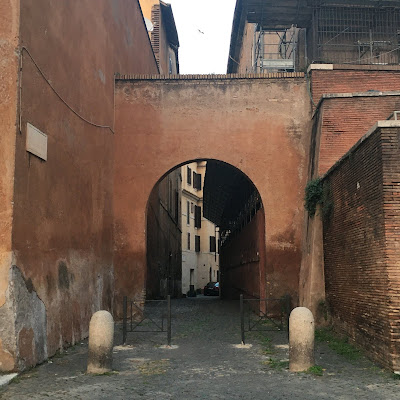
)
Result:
{"points": [[205, 365]]}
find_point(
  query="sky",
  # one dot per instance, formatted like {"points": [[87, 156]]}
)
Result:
{"points": [[204, 30]]}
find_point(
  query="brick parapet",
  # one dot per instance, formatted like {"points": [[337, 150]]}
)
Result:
{"points": [[197, 77]]}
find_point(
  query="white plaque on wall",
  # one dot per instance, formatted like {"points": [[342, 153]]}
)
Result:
{"points": [[36, 142]]}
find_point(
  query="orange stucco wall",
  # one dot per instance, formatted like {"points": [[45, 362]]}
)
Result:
{"points": [[9, 38], [260, 126], [62, 235]]}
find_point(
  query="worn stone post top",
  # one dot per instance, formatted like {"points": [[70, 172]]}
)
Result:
{"points": [[301, 339], [101, 338]]}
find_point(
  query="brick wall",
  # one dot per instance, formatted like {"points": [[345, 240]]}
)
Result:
{"points": [[345, 120], [349, 79], [391, 208], [350, 110], [242, 261], [361, 249]]}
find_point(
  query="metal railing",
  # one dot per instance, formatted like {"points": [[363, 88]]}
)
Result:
{"points": [[264, 315], [146, 316]]}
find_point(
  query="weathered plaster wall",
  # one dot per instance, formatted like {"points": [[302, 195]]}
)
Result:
{"points": [[63, 215], [9, 39], [260, 126]]}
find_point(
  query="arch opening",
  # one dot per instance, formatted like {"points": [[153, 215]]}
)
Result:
{"points": [[205, 223]]}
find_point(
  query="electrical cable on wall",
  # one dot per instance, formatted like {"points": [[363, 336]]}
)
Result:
{"points": [[60, 97]]}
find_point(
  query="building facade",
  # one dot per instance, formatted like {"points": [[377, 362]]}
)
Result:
{"points": [[162, 31], [164, 260], [266, 38], [200, 259]]}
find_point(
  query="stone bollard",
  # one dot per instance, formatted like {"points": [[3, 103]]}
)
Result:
{"points": [[301, 339], [101, 338]]}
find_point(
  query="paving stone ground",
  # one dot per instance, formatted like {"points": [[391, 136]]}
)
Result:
{"points": [[205, 365]]}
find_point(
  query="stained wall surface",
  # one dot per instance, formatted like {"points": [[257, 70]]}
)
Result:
{"points": [[63, 214], [260, 126]]}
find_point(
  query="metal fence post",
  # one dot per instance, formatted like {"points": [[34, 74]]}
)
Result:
{"points": [[288, 301], [242, 318], [124, 319], [169, 319]]}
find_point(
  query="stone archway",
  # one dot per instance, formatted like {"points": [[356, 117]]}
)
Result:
{"points": [[260, 126]]}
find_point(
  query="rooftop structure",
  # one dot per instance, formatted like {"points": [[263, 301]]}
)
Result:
{"points": [[290, 34]]}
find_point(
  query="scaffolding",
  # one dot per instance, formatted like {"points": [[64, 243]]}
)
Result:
{"points": [[356, 35], [274, 50]]}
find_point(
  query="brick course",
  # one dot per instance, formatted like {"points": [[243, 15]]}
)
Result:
{"points": [[361, 246]]}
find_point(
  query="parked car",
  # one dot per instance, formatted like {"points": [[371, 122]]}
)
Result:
{"points": [[211, 289]]}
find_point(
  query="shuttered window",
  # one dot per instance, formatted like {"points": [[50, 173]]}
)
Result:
{"points": [[213, 244], [197, 243], [189, 175], [188, 213], [197, 181], [188, 241], [197, 217]]}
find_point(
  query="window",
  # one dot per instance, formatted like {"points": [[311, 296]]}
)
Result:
{"points": [[189, 175], [188, 242], [188, 213], [191, 207], [213, 244], [197, 217], [197, 243], [196, 181], [191, 276]]}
